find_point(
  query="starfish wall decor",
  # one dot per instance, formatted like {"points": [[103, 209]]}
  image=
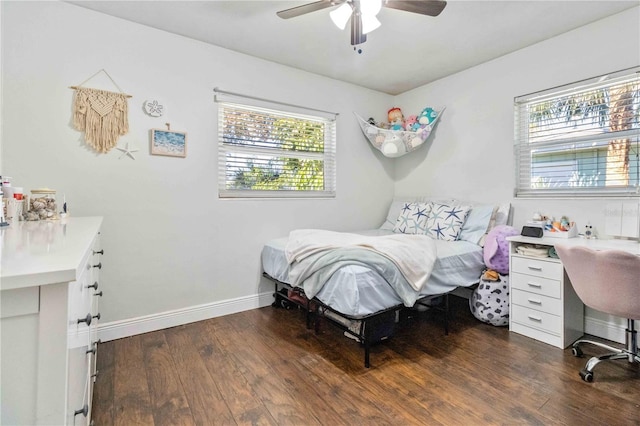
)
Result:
{"points": [[127, 151]]}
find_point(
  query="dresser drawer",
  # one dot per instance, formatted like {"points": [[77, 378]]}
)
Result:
{"points": [[536, 319], [537, 267], [542, 286], [550, 305]]}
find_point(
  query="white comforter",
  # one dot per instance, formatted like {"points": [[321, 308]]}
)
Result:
{"points": [[413, 255]]}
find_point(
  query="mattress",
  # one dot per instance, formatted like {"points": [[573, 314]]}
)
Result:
{"points": [[357, 290]]}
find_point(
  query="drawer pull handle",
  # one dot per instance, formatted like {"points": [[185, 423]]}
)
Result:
{"points": [[94, 347], [98, 293], [88, 318], [99, 265], [98, 252], [535, 302], [536, 285], [93, 286], [537, 319], [84, 411], [535, 268]]}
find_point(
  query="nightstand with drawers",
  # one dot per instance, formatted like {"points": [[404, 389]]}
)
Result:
{"points": [[542, 302]]}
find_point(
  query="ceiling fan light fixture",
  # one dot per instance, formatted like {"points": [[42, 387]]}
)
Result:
{"points": [[369, 23], [370, 7], [341, 15]]}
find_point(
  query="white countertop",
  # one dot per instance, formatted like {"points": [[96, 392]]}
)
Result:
{"points": [[629, 246], [45, 252]]}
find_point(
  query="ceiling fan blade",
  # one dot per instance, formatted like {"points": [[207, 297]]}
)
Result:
{"points": [[423, 7], [357, 37], [307, 8]]}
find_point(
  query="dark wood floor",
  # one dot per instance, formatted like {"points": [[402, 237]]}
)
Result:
{"points": [[264, 367]]}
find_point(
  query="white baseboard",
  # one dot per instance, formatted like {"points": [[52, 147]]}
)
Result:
{"points": [[132, 326], [604, 329]]}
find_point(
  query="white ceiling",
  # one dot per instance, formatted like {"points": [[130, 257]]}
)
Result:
{"points": [[407, 51]]}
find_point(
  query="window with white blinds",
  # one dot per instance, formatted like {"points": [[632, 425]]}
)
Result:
{"points": [[581, 139], [269, 153]]}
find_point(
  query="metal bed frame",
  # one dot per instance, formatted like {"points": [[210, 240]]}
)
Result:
{"points": [[369, 323]]}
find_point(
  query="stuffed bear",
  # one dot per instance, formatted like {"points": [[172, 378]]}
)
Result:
{"points": [[411, 123], [496, 248]]}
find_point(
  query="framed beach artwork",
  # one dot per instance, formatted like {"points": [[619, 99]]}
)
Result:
{"points": [[168, 142]]}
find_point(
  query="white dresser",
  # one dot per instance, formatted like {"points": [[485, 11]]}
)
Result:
{"points": [[542, 302], [50, 293]]}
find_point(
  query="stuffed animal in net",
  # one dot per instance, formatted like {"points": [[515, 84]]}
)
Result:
{"points": [[427, 116], [425, 119], [396, 119], [411, 123], [489, 302]]}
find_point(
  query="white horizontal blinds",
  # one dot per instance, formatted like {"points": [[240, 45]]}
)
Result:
{"points": [[581, 139], [269, 153]]}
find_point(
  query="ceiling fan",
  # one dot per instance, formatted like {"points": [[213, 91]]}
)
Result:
{"points": [[362, 13]]}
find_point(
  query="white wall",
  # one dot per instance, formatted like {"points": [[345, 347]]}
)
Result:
{"points": [[470, 154], [169, 242]]}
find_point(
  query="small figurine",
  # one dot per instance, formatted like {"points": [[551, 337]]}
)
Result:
{"points": [[588, 231]]}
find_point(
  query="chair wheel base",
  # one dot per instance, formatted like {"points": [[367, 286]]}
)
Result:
{"points": [[587, 376], [577, 352]]}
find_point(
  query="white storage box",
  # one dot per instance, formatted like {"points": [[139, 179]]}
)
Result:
{"points": [[571, 233]]}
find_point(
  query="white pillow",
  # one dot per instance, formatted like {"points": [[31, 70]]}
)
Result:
{"points": [[412, 218], [477, 223], [445, 221]]}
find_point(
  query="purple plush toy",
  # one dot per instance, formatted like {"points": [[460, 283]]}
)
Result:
{"points": [[496, 248]]}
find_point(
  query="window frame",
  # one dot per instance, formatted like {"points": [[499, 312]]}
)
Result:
{"points": [[575, 143], [327, 155]]}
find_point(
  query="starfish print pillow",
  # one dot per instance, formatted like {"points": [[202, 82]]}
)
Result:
{"points": [[445, 221], [412, 218]]}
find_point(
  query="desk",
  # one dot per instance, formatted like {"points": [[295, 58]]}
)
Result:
{"points": [[542, 302]]}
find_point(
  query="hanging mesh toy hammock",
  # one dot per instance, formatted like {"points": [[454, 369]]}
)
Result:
{"points": [[396, 143]]}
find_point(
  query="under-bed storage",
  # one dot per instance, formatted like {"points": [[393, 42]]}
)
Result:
{"points": [[367, 329]]}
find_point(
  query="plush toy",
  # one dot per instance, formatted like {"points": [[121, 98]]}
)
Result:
{"points": [[496, 248], [411, 123], [391, 145], [427, 116], [396, 119]]}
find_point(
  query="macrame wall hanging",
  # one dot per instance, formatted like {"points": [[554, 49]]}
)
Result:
{"points": [[102, 115]]}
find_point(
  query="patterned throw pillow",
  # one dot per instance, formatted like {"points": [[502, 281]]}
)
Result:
{"points": [[446, 220], [412, 218]]}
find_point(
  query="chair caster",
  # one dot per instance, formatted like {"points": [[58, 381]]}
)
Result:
{"points": [[576, 351], [587, 376]]}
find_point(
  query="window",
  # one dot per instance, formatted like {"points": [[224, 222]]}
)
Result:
{"points": [[581, 139], [269, 153]]}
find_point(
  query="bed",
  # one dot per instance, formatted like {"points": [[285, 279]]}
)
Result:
{"points": [[364, 300]]}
